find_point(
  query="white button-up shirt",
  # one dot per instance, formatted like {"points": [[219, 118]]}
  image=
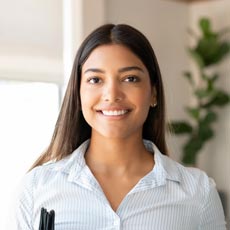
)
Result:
{"points": [[170, 197]]}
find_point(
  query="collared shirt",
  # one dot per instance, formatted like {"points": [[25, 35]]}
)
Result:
{"points": [[170, 197]]}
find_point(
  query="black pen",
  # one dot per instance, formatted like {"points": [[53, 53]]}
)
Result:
{"points": [[47, 220]]}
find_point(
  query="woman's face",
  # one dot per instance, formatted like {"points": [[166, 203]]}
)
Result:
{"points": [[115, 92]]}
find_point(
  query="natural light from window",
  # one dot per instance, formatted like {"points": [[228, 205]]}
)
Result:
{"points": [[28, 113]]}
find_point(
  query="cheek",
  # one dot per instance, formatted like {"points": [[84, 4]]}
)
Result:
{"points": [[84, 94], [143, 102], [85, 108], [88, 99], [84, 100], [84, 103], [143, 98]]}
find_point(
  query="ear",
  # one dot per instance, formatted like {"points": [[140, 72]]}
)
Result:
{"points": [[153, 97]]}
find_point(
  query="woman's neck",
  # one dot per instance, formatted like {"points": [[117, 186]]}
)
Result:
{"points": [[117, 155]]}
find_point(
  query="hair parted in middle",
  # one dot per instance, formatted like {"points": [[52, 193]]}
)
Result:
{"points": [[71, 129]]}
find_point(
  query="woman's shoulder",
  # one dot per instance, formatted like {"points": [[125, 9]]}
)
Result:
{"points": [[43, 174], [191, 179], [194, 178]]}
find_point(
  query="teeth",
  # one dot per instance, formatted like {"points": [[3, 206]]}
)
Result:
{"points": [[114, 112]]}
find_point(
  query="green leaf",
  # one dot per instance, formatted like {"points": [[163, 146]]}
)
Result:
{"points": [[220, 99], [193, 112], [181, 127], [197, 58], [210, 48], [223, 51], [207, 48], [211, 82], [210, 117], [191, 149], [205, 26], [205, 133], [202, 93]]}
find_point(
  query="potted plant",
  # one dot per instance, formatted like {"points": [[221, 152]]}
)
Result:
{"points": [[210, 49]]}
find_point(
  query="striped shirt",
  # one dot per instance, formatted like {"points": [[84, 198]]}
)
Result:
{"points": [[170, 197]]}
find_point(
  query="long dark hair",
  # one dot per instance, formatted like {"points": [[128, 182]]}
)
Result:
{"points": [[71, 129]]}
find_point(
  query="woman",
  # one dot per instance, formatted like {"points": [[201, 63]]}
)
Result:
{"points": [[107, 166]]}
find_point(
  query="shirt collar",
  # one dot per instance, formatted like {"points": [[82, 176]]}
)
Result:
{"points": [[167, 167], [164, 168]]}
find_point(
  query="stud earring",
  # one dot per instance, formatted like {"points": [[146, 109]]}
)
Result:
{"points": [[153, 104]]}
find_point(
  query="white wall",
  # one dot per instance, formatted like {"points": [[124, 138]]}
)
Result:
{"points": [[31, 40], [31, 27]]}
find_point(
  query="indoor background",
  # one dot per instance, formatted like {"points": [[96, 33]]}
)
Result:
{"points": [[38, 41]]}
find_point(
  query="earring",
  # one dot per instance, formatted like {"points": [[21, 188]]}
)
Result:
{"points": [[153, 104]]}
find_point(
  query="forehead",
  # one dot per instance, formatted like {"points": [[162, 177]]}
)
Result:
{"points": [[112, 56]]}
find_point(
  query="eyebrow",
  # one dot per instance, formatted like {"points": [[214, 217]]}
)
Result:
{"points": [[121, 70]]}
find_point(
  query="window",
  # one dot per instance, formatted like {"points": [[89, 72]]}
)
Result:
{"points": [[28, 112]]}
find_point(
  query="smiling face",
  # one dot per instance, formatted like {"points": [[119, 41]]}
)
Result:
{"points": [[115, 92]]}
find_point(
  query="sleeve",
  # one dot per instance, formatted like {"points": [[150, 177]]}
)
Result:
{"points": [[22, 217], [212, 214]]}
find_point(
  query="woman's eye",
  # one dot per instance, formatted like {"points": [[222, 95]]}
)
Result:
{"points": [[131, 79], [94, 80]]}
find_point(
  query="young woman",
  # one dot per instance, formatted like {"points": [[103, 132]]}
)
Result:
{"points": [[107, 165]]}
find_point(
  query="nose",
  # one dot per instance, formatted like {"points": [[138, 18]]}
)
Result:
{"points": [[113, 92]]}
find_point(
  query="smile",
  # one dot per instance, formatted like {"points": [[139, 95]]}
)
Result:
{"points": [[114, 112]]}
